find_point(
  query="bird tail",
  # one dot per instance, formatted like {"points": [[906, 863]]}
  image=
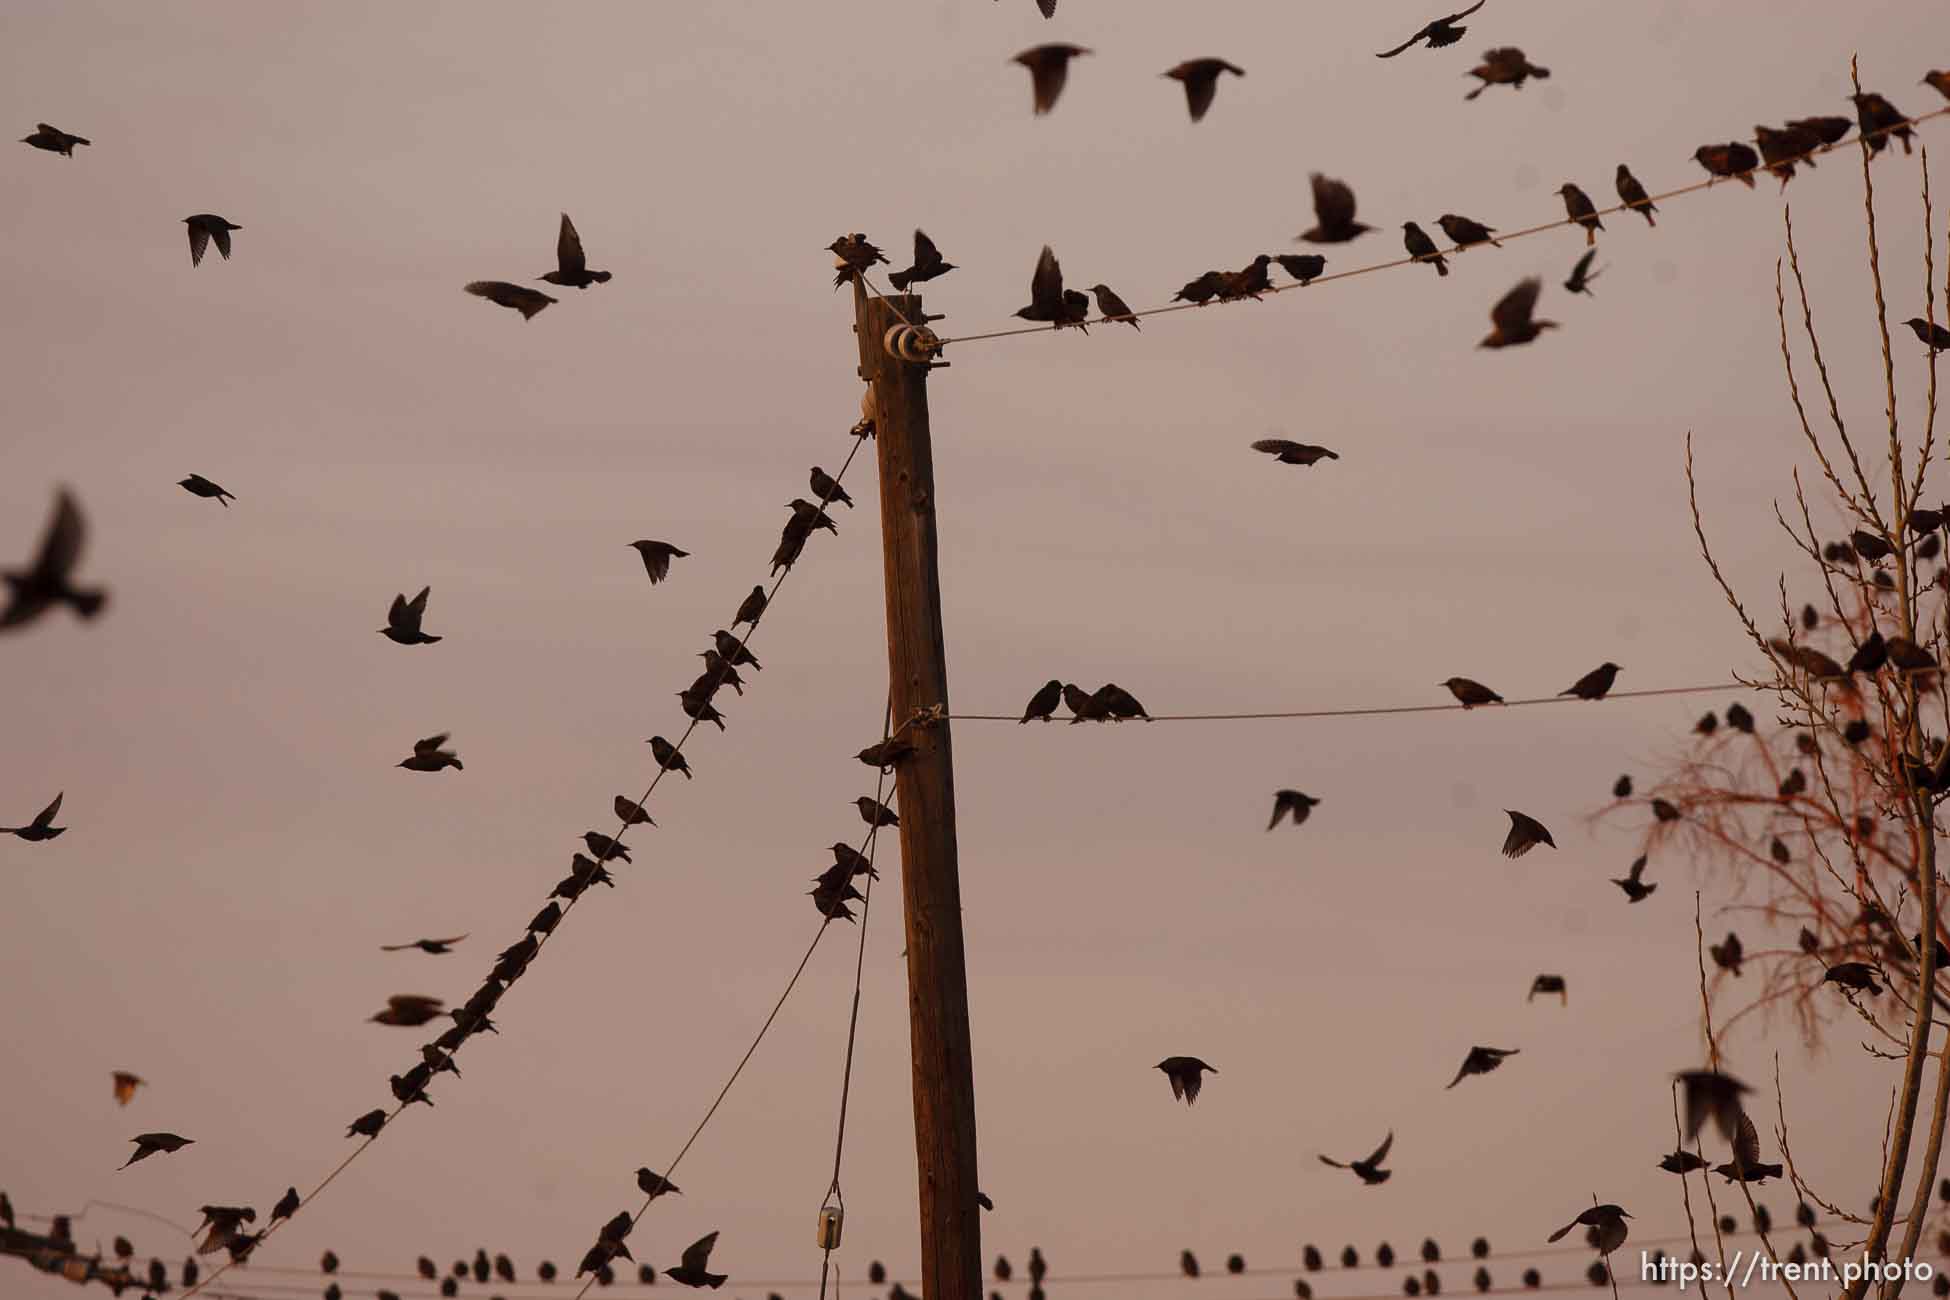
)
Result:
{"points": [[1474, 93], [899, 279], [1646, 211], [1441, 267], [1591, 236], [1747, 179], [1562, 1232], [600, 277], [429, 640], [1542, 74], [89, 603]]}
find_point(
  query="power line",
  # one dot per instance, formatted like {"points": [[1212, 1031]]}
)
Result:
{"points": [[1861, 139], [1381, 710]]}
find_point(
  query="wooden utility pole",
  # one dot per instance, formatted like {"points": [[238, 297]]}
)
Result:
{"points": [[937, 973]]}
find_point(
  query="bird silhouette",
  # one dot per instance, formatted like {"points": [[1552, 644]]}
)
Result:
{"points": [[1782, 149], [653, 1184], [204, 227], [1935, 336], [1549, 984], [1043, 703], [1384, 1255], [1201, 81], [751, 607], [571, 266], [1582, 275], [42, 828], [605, 848], [517, 297], [1291, 803], [668, 756], [1369, 1171], [54, 140], [1481, 1060], [1856, 975], [1732, 159], [403, 620], [698, 707], [1049, 68], [1438, 32], [1185, 1074], [1422, 248], [1740, 719], [1304, 267], [1633, 194], [1463, 232], [148, 1144], [928, 264], [827, 488], [1294, 453], [1513, 316], [1682, 1162], [1003, 1269], [1202, 290], [1828, 130], [1594, 684], [875, 813], [1609, 1220], [1746, 1165], [629, 812], [1579, 208], [1728, 954], [1187, 1263], [408, 1010], [853, 256], [1334, 221], [1622, 787], [1048, 301], [49, 580], [1504, 66], [1469, 693], [1526, 833], [657, 557], [1113, 308], [367, 1125], [198, 486], [432, 947], [1710, 1095], [888, 754], [428, 756], [286, 1207], [692, 1268], [1631, 883]]}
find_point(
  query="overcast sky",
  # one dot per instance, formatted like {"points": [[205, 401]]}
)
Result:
{"points": [[241, 842]]}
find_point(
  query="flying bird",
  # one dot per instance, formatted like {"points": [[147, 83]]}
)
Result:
{"points": [[1043, 703], [125, 1086], [1708, 1094], [432, 947], [1438, 33], [403, 620], [1293, 453], [1114, 308], [1582, 275], [1291, 803], [148, 1144], [408, 1010], [519, 297], [1513, 316], [1504, 66], [204, 227], [1184, 1073], [1369, 1170], [1201, 81], [1334, 221], [693, 1268], [657, 557], [1463, 232], [1549, 984], [571, 266], [1579, 208], [1481, 1060], [1049, 68], [1421, 247], [1733, 159], [1634, 196], [428, 756], [49, 581], [1469, 693], [1594, 684], [1746, 1165], [1728, 954], [198, 486], [1526, 833], [1047, 299], [54, 140], [1632, 882], [927, 265], [42, 827], [1609, 1220]]}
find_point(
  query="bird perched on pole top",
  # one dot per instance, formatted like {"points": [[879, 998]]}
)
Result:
{"points": [[853, 254], [927, 265]]}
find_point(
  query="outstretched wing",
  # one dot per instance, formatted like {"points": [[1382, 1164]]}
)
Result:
{"points": [[1273, 446], [1746, 1144], [199, 243], [1046, 285], [1381, 1152], [925, 253], [399, 612], [430, 745], [568, 249], [1513, 310], [47, 814], [61, 547], [1333, 201], [1389, 54], [697, 1256]]}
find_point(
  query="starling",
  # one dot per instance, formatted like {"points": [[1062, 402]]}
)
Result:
{"points": [[408, 1010], [1622, 787], [1856, 975], [1463, 232], [1594, 684], [1908, 657], [668, 757], [1879, 119], [428, 756], [657, 557], [204, 227], [1438, 33], [1384, 1255], [286, 1207], [1728, 954], [1633, 194], [432, 947], [1732, 159], [1350, 1258], [43, 828], [1504, 66], [1609, 1220], [502, 294], [692, 1268], [1201, 80], [367, 1125], [1187, 1263], [1199, 291], [1937, 337], [1294, 453], [1549, 984], [653, 1184], [1708, 1094], [148, 1144], [1828, 130], [125, 1086], [605, 848], [1482, 1280], [1235, 1263], [853, 255], [1939, 81], [717, 673], [54, 140], [48, 582], [734, 651], [1114, 308], [1087, 708], [1512, 316], [1049, 68], [928, 262], [1184, 1074], [1118, 703], [1632, 882], [1582, 275], [1369, 1171], [1480, 1248], [1807, 659], [1746, 1166], [1431, 1253], [1421, 247], [1291, 802], [875, 813], [198, 486], [1003, 1269], [1481, 1060], [1041, 705], [1532, 1279], [886, 755], [403, 620], [504, 1268], [546, 920], [1334, 221], [630, 812], [1856, 731], [1578, 207], [1248, 282], [1782, 149], [1740, 719], [1304, 267], [751, 608], [571, 267], [1526, 833], [1661, 809], [828, 489], [1310, 1257], [1471, 693], [1681, 1162]]}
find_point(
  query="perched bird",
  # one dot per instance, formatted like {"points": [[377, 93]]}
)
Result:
{"points": [[1808, 659], [1184, 1074], [653, 1184], [1334, 221], [1594, 684], [125, 1086], [49, 581], [1369, 1171], [1549, 984], [751, 608], [1291, 802], [1746, 1165], [1709, 1094], [1113, 308], [853, 255], [403, 620], [408, 1010], [1421, 247], [1908, 657], [367, 1125], [1682, 1161], [606, 848], [1438, 33], [432, 947], [1235, 1264], [1310, 1257], [888, 754], [1384, 1255], [828, 489], [54, 140], [1578, 207], [42, 827], [1504, 66], [504, 1268], [1049, 68], [1040, 707], [148, 1144], [1481, 1060], [700, 708], [668, 756], [1740, 719], [1187, 1263], [874, 813], [198, 486], [657, 557], [733, 651], [630, 812], [1936, 336], [1304, 267], [1632, 884], [1046, 294], [1857, 975], [810, 517], [1085, 707], [1003, 1269], [927, 265], [1727, 955], [1117, 702], [1201, 81], [1512, 316], [1879, 119], [717, 672], [286, 1207], [1609, 1220], [1622, 787], [1470, 693], [1732, 159], [428, 756], [1782, 149], [1633, 194], [1582, 275], [1826, 129], [1938, 81], [1294, 453], [1248, 282], [519, 297], [571, 267], [1199, 291], [1463, 232], [692, 1269], [1351, 1258], [204, 227], [1526, 833], [1431, 1253], [546, 920]]}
